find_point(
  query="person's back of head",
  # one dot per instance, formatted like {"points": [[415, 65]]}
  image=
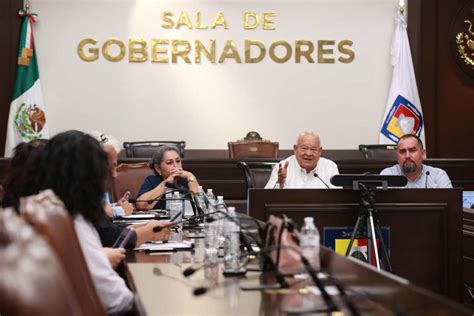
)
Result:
{"points": [[24, 155], [74, 166]]}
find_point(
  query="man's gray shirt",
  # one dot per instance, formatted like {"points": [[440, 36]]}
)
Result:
{"points": [[430, 177]]}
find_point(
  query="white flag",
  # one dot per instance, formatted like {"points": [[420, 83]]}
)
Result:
{"points": [[27, 119], [403, 114]]}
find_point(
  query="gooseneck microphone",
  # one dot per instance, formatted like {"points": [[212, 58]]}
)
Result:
{"points": [[426, 180], [317, 176]]}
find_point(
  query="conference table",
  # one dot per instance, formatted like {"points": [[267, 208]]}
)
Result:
{"points": [[162, 289]]}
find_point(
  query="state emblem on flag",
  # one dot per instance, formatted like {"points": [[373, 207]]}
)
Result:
{"points": [[338, 239], [403, 118], [29, 121]]}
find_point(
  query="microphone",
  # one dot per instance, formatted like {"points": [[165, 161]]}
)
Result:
{"points": [[317, 176], [426, 181]]}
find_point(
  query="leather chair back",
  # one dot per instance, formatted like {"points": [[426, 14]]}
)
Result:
{"points": [[130, 177], [32, 281], [379, 151], [253, 149], [147, 148], [256, 173], [48, 215]]}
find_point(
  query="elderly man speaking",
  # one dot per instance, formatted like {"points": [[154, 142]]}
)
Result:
{"points": [[306, 168]]}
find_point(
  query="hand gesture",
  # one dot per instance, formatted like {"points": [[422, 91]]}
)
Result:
{"points": [[282, 172], [178, 173], [123, 202]]}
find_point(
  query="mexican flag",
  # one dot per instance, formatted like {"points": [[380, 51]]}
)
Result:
{"points": [[27, 119]]}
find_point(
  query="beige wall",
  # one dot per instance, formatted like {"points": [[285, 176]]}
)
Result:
{"points": [[208, 104]]}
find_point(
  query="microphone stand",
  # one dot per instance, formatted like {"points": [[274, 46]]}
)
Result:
{"points": [[317, 176]]}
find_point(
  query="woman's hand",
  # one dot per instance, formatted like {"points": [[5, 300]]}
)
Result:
{"points": [[115, 255], [179, 173]]}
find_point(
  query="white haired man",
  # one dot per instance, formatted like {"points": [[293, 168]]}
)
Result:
{"points": [[306, 168]]}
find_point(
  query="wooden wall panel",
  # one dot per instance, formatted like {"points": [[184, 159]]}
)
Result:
{"points": [[455, 90], [446, 93]]}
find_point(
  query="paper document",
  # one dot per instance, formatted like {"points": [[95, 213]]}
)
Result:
{"points": [[165, 246], [139, 216]]}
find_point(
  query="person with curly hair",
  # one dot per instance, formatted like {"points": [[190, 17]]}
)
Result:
{"points": [[75, 167]]}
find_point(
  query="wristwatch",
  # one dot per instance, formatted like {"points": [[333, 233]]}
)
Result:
{"points": [[191, 179]]}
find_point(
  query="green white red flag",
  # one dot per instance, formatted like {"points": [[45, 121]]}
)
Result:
{"points": [[27, 118]]}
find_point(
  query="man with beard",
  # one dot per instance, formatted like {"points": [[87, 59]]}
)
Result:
{"points": [[306, 168], [410, 155]]}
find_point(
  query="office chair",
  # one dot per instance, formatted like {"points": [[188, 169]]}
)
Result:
{"points": [[145, 149]]}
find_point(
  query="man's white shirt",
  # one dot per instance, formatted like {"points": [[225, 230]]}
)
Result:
{"points": [[298, 178]]}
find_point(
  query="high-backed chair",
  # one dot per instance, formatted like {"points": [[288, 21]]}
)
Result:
{"points": [[379, 151], [253, 149], [256, 173], [32, 281], [130, 177], [146, 149], [48, 215]]}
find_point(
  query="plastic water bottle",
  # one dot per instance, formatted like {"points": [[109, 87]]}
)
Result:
{"points": [[220, 205], [211, 198], [232, 242], [200, 200], [309, 241], [176, 206], [221, 220], [168, 195], [210, 235]]}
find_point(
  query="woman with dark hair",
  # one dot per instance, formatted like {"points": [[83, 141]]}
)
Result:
{"points": [[13, 185], [75, 167], [166, 164]]}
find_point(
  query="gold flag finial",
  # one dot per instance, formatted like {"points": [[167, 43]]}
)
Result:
{"points": [[401, 3], [27, 6]]}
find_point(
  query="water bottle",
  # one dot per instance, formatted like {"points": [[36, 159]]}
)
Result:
{"points": [[176, 206], [221, 219], [168, 196], [309, 241], [210, 235], [212, 200], [232, 242], [200, 200]]}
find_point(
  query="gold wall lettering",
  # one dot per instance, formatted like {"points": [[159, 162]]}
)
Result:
{"points": [[93, 51], [106, 47], [184, 19], [254, 51]]}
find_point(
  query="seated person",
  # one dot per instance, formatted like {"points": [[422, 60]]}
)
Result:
{"points": [[306, 168], [410, 156], [167, 167], [112, 147], [75, 167], [108, 230]]}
